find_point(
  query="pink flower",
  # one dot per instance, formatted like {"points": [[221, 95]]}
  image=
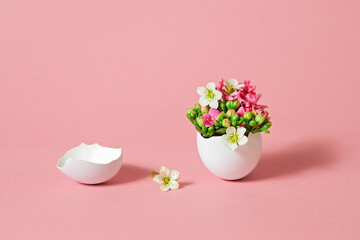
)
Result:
{"points": [[210, 118], [228, 89], [241, 111], [248, 89], [214, 113], [247, 107], [248, 93], [260, 109], [221, 85], [231, 96]]}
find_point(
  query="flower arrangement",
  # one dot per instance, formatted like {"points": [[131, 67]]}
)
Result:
{"points": [[229, 110]]}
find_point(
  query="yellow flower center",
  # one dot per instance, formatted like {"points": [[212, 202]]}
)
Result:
{"points": [[234, 138], [210, 95], [166, 180]]}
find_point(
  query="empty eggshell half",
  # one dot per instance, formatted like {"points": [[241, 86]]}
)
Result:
{"points": [[91, 164]]}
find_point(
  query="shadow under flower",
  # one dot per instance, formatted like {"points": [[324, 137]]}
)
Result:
{"points": [[184, 184]]}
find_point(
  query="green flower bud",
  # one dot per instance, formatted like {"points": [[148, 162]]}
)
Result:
{"points": [[200, 121], [233, 123], [249, 115], [234, 104], [237, 105], [211, 130], [230, 105], [188, 116], [260, 119], [235, 117], [209, 134], [191, 113], [223, 106], [204, 109], [226, 123], [252, 123], [203, 128], [197, 107], [221, 116], [230, 112]]}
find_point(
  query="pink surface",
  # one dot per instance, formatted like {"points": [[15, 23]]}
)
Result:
{"points": [[123, 74]]}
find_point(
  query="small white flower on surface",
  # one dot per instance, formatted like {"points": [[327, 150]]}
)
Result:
{"points": [[234, 137], [209, 95], [232, 84], [167, 179]]}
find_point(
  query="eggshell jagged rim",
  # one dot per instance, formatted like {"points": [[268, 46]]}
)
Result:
{"points": [[90, 147]]}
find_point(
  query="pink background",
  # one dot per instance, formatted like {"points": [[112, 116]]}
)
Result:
{"points": [[123, 74]]}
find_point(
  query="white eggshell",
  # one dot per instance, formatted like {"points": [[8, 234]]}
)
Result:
{"points": [[91, 164], [225, 163]]}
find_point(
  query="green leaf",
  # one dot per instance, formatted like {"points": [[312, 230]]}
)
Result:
{"points": [[198, 128], [221, 131], [252, 123]]}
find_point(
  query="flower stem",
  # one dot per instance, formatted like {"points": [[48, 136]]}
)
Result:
{"points": [[153, 173]]}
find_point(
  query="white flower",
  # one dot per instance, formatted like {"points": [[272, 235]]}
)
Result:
{"points": [[209, 95], [234, 137], [232, 84], [167, 179]]}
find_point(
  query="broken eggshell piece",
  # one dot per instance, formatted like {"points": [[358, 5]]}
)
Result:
{"points": [[91, 164]]}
